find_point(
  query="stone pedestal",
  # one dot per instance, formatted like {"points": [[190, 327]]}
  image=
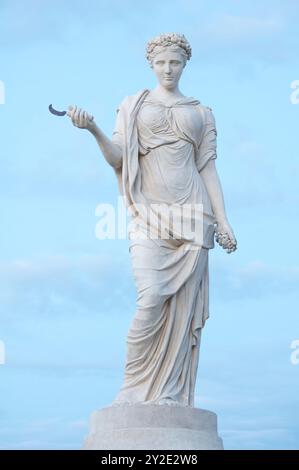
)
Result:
{"points": [[153, 427]]}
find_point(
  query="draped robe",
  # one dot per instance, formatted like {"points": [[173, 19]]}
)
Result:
{"points": [[164, 149]]}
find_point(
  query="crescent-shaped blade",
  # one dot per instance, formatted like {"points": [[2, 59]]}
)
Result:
{"points": [[57, 113]]}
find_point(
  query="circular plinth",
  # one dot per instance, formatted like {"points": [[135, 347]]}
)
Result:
{"points": [[153, 427]]}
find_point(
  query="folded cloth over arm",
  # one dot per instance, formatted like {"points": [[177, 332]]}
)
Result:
{"points": [[118, 138]]}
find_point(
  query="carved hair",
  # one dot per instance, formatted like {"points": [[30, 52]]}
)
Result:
{"points": [[173, 41]]}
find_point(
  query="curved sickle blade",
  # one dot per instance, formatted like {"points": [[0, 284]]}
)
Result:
{"points": [[55, 112]]}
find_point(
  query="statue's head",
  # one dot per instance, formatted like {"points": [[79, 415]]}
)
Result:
{"points": [[167, 55]]}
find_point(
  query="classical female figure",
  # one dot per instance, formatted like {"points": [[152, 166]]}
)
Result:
{"points": [[163, 152]]}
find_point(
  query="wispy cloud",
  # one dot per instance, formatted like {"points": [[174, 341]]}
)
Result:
{"points": [[259, 36], [63, 285], [255, 279], [64, 318], [243, 28]]}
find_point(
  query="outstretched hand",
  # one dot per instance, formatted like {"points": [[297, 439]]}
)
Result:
{"points": [[80, 118]]}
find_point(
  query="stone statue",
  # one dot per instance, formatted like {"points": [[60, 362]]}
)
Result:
{"points": [[163, 152]]}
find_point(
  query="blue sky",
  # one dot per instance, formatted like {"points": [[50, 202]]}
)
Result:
{"points": [[67, 298]]}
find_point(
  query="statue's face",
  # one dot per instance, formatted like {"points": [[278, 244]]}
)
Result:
{"points": [[168, 67]]}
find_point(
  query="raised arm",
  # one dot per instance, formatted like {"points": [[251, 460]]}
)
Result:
{"points": [[112, 152]]}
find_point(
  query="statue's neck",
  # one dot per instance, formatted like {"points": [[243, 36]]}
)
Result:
{"points": [[165, 94]]}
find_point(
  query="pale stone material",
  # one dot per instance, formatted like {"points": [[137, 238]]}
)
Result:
{"points": [[172, 281], [153, 427], [163, 151]]}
